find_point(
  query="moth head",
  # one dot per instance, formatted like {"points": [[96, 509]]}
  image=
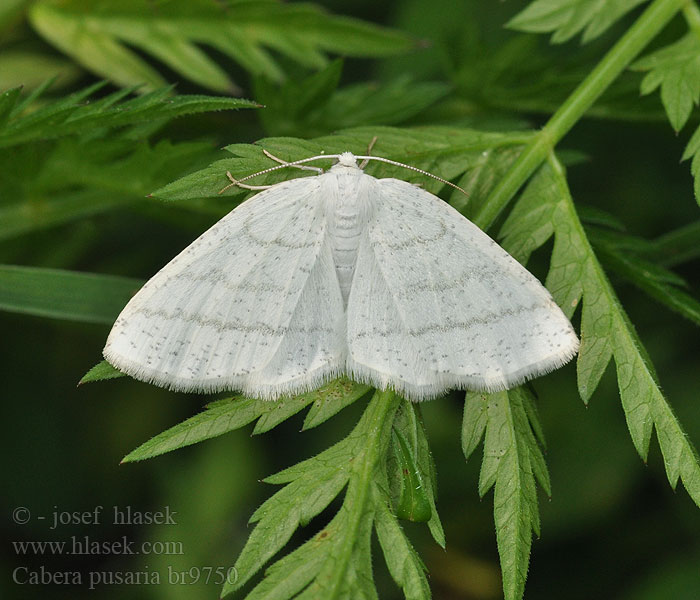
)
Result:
{"points": [[347, 159]]}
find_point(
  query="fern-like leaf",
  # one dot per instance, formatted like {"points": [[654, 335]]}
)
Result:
{"points": [[546, 209], [446, 151], [567, 18], [336, 562], [75, 114], [512, 462], [692, 152], [226, 415], [314, 106], [675, 69], [97, 36]]}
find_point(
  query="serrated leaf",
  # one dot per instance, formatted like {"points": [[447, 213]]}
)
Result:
{"points": [[676, 69], [444, 151], [333, 398], [652, 279], [75, 114], [314, 106], [530, 224], [606, 331], [692, 151], [404, 564], [567, 18], [101, 371], [58, 294], [494, 77], [479, 180], [280, 516], [474, 422], [226, 415], [534, 436], [292, 573], [281, 410], [76, 179], [426, 465], [219, 418], [512, 460], [311, 485], [98, 35], [496, 440], [515, 500]]}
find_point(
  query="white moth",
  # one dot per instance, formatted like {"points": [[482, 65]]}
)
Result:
{"points": [[341, 273]]}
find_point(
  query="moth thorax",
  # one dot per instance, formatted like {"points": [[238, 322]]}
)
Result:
{"points": [[348, 219]]}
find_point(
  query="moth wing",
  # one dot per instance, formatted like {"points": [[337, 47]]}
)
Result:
{"points": [[437, 304], [252, 304]]}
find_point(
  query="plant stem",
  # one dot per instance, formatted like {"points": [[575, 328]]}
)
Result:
{"points": [[691, 12], [380, 414], [652, 20]]}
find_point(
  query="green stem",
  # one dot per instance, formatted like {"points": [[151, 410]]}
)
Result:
{"points": [[380, 415], [652, 20], [691, 12]]}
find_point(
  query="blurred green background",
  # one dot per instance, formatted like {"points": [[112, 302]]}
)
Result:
{"points": [[613, 528]]}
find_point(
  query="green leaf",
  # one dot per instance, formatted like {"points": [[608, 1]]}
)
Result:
{"points": [[8, 99], [444, 151], [493, 78], [404, 564], [85, 297], [412, 503], [226, 415], [692, 151], [101, 371], [474, 421], [566, 18], [98, 37], [76, 179], [313, 106], [651, 278], [219, 418], [512, 461], [333, 398], [340, 569], [606, 332], [676, 69], [75, 114], [678, 246], [410, 491]]}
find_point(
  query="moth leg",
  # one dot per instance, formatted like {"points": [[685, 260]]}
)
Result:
{"points": [[286, 164], [373, 141]]}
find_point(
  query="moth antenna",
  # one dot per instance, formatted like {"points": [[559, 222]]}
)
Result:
{"points": [[301, 161], [287, 164], [365, 159]]}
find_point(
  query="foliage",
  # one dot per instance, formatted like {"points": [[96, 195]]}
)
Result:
{"points": [[95, 34], [82, 166]]}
